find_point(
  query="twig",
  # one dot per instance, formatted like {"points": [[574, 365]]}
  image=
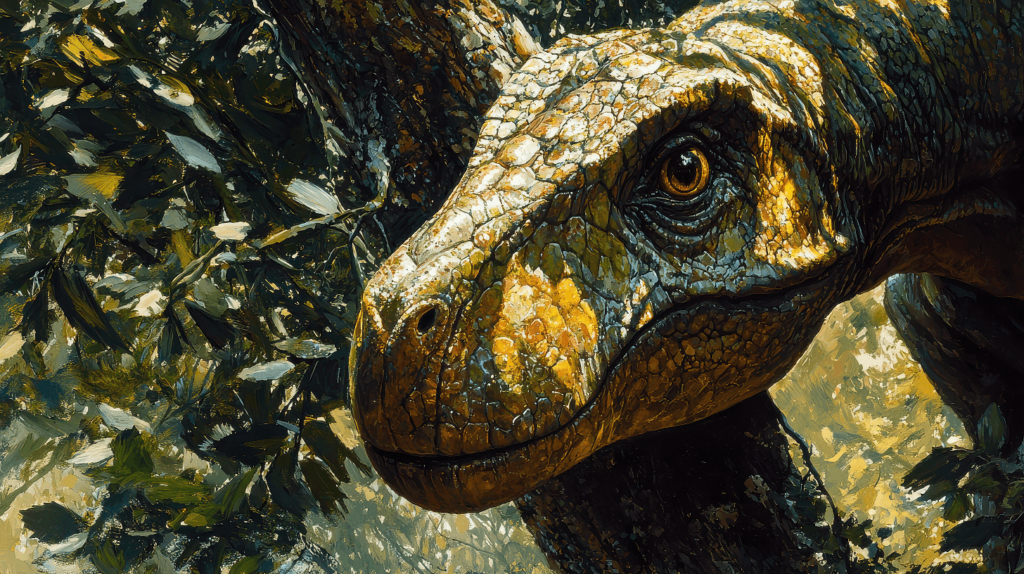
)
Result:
{"points": [[805, 450], [195, 270], [356, 266], [383, 234]]}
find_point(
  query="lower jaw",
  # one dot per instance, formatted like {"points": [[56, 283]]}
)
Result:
{"points": [[473, 484], [464, 486], [477, 482], [470, 484]]}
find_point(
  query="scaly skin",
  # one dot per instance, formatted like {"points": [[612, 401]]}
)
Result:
{"points": [[560, 301]]}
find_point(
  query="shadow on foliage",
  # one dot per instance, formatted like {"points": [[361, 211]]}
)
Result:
{"points": [[176, 271]]}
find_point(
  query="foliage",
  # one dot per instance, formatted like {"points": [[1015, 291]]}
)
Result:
{"points": [[549, 20], [871, 414], [172, 327], [833, 542], [176, 264], [982, 489]]}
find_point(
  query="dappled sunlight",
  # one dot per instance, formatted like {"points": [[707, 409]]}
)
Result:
{"points": [[862, 402]]}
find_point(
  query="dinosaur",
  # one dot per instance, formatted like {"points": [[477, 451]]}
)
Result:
{"points": [[654, 224]]}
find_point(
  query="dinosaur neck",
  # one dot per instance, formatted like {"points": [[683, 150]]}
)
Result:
{"points": [[926, 124], [636, 507], [971, 234], [935, 90]]}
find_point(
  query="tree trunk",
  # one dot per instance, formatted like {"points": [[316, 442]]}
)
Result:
{"points": [[968, 343], [406, 85]]}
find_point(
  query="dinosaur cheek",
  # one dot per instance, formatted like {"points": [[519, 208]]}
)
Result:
{"points": [[794, 232], [543, 338]]}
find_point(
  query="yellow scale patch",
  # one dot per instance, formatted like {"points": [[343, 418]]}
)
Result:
{"points": [[542, 322]]}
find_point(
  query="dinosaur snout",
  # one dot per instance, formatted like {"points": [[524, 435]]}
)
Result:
{"points": [[402, 336], [397, 361]]}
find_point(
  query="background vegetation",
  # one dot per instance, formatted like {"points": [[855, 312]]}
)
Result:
{"points": [[169, 330], [179, 269]]}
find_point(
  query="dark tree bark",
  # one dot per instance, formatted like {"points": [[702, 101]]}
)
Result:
{"points": [[968, 343], [405, 85]]}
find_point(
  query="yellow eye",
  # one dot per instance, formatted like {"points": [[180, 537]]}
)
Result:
{"points": [[685, 174]]}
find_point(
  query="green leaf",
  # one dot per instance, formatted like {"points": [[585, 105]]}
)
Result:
{"points": [[171, 338], [51, 522], [857, 533], [173, 489], [254, 330], [225, 503], [246, 565], [36, 316], [194, 153], [252, 446], [131, 454], [18, 275], [991, 429], [230, 496], [109, 561], [939, 490], [323, 485], [305, 348], [1014, 493], [972, 534], [258, 401], [76, 301], [326, 445], [327, 378], [217, 331], [258, 494], [988, 480], [943, 464], [285, 490], [957, 507]]}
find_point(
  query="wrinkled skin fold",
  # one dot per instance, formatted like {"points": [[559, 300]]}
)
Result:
{"points": [[561, 300]]}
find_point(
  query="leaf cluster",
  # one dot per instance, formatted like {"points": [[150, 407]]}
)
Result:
{"points": [[982, 490], [833, 542], [179, 280]]}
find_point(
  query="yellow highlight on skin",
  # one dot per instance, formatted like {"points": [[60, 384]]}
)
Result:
{"points": [[541, 344]]}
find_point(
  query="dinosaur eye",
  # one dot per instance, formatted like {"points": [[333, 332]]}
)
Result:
{"points": [[684, 174]]}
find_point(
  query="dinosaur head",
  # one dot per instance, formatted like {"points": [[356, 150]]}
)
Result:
{"points": [[644, 237]]}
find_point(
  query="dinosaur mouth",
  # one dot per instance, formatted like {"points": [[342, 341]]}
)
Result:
{"points": [[474, 482]]}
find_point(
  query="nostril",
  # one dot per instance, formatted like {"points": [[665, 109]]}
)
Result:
{"points": [[426, 321]]}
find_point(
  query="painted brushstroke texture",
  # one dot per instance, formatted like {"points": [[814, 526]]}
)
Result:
{"points": [[855, 395]]}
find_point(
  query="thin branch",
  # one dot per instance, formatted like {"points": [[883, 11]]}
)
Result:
{"points": [[356, 266], [805, 450]]}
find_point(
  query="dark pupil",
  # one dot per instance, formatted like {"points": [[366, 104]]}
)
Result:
{"points": [[685, 170]]}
